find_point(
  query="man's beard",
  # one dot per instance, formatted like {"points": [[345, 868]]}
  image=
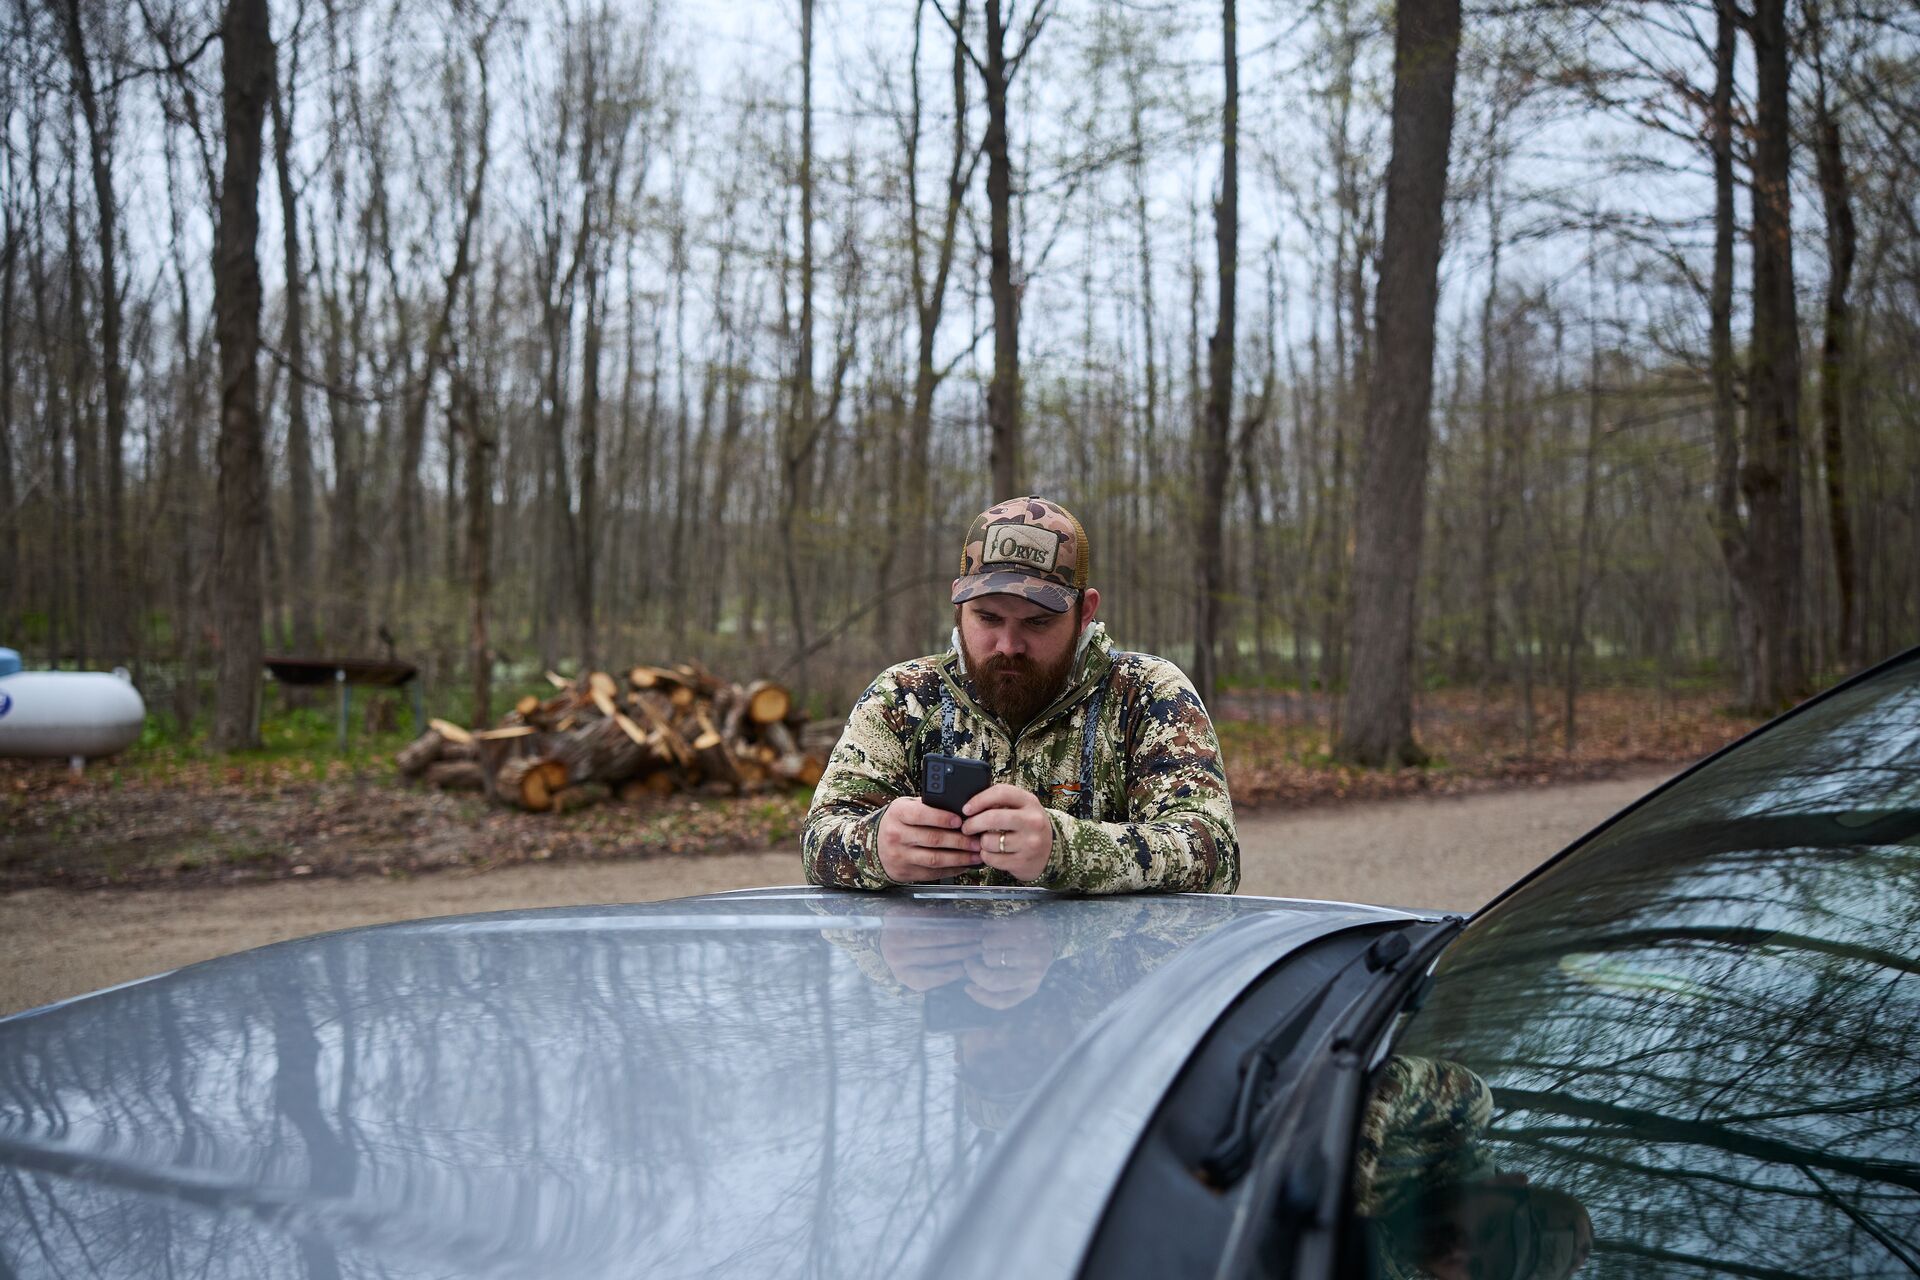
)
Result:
{"points": [[1017, 688]]}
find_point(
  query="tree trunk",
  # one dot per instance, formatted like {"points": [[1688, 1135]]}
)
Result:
{"points": [[1836, 356], [930, 299], [1252, 429], [10, 242], [1003, 393], [346, 614], [584, 564], [1214, 460], [479, 476], [300, 558], [82, 508], [801, 426], [1589, 490], [121, 637], [1492, 495], [1729, 529], [247, 74], [1770, 478], [1378, 726]]}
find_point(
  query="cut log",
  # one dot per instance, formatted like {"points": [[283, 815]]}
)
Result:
{"points": [[650, 706], [552, 714], [698, 678], [730, 710], [456, 775], [578, 797], [414, 758], [802, 771], [603, 751], [709, 736], [523, 782], [651, 787], [715, 760], [767, 702], [794, 765], [780, 738], [659, 730]]}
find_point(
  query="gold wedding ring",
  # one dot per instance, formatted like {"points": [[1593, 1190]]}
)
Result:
{"points": [[1003, 842]]}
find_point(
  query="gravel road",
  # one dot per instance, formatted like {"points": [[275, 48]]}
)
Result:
{"points": [[1422, 852]]}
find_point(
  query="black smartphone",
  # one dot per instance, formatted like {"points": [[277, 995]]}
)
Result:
{"points": [[948, 782]]}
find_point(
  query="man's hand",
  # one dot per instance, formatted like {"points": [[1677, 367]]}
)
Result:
{"points": [[919, 842], [1013, 830], [925, 952], [1010, 962]]}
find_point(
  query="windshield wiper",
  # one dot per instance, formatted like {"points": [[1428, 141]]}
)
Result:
{"points": [[1299, 1167], [1392, 966]]}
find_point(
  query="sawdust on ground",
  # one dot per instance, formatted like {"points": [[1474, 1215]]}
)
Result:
{"points": [[1431, 852]]}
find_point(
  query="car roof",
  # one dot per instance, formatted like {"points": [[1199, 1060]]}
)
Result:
{"points": [[769, 1082]]}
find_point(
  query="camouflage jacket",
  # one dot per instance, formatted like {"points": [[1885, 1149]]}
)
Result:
{"points": [[1158, 815]]}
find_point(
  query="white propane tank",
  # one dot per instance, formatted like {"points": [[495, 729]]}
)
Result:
{"points": [[68, 714]]}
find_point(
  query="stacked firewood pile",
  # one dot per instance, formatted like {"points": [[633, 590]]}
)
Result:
{"points": [[661, 730]]}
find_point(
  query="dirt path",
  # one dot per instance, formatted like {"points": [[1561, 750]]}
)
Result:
{"points": [[56, 943], [1452, 853]]}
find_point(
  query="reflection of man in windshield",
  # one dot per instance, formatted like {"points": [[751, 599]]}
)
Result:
{"points": [[1434, 1203]]}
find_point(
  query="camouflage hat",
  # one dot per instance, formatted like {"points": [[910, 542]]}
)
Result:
{"points": [[1026, 547]]}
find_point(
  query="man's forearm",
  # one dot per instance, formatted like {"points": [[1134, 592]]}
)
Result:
{"points": [[1182, 851], [840, 849]]}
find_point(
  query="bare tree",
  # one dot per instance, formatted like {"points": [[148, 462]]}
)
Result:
{"points": [[1836, 352], [1215, 444], [998, 69], [98, 111], [929, 304], [1378, 724], [301, 566], [806, 421], [247, 84], [1767, 545]]}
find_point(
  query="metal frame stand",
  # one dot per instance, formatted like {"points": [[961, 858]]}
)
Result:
{"points": [[346, 705]]}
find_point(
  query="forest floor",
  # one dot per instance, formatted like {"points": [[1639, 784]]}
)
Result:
{"points": [[164, 816]]}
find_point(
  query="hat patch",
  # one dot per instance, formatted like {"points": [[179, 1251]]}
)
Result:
{"points": [[1029, 546]]}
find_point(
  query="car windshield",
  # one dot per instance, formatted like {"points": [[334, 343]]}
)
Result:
{"points": [[1691, 1047]]}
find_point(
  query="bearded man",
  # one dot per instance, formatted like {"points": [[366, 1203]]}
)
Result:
{"points": [[1107, 775]]}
